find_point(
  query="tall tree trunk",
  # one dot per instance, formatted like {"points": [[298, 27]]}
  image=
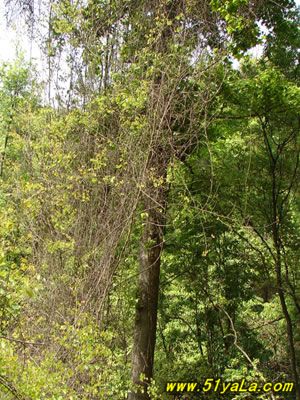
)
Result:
{"points": [[277, 213], [147, 304], [283, 303], [155, 208], [154, 203]]}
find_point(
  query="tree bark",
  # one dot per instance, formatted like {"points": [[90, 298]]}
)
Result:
{"points": [[147, 303], [155, 201]]}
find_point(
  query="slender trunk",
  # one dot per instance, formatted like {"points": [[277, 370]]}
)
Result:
{"points": [[288, 320], [3, 155], [279, 279], [147, 304], [289, 327], [277, 214], [152, 239]]}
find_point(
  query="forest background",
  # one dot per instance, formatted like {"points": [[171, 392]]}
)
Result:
{"points": [[149, 199]]}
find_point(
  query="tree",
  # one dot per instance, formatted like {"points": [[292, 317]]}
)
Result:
{"points": [[148, 107]]}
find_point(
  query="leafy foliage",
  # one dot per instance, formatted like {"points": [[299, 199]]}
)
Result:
{"points": [[160, 110]]}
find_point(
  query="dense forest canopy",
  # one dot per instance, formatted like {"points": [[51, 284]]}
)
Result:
{"points": [[149, 203]]}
